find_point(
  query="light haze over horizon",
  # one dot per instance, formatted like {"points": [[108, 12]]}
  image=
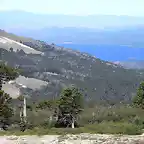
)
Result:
{"points": [[76, 7]]}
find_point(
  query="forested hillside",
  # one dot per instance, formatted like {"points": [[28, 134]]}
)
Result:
{"points": [[60, 67]]}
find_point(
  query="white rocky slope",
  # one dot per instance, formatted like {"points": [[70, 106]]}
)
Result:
{"points": [[7, 43], [73, 139], [13, 87]]}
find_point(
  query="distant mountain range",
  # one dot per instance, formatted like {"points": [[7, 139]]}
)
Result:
{"points": [[59, 29], [128, 37], [109, 37], [132, 64], [22, 19]]}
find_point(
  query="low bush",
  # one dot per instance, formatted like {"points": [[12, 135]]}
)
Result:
{"points": [[113, 128]]}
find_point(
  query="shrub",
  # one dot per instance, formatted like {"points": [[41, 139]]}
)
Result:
{"points": [[113, 128]]}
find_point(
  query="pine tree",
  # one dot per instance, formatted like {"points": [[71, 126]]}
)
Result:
{"points": [[23, 113], [138, 100], [6, 110], [7, 73], [70, 105]]}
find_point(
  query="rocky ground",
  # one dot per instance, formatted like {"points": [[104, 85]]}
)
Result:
{"points": [[73, 139]]}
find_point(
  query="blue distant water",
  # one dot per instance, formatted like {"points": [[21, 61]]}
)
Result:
{"points": [[109, 52]]}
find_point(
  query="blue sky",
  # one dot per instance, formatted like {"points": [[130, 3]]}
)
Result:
{"points": [[77, 7]]}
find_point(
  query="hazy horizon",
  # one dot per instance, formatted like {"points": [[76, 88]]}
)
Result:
{"points": [[80, 7], [101, 14], [75, 15], [21, 19]]}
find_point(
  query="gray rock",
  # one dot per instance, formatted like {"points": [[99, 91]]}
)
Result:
{"points": [[73, 139]]}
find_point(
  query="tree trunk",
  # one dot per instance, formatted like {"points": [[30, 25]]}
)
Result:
{"points": [[72, 123], [21, 114], [24, 110], [50, 120]]}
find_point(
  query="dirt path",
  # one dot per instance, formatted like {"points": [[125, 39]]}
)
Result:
{"points": [[73, 139]]}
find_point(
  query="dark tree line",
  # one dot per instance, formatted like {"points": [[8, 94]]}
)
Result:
{"points": [[6, 111]]}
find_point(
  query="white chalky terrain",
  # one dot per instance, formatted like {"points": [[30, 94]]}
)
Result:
{"points": [[12, 90], [31, 83], [7, 43], [73, 139], [13, 87]]}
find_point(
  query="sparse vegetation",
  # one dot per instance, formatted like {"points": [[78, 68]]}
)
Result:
{"points": [[115, 120], [43, 116], [100, 102]]}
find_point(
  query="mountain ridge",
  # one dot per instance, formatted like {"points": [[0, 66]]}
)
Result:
{"points": [[132, 64], [25, 20], [60, 67]]}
